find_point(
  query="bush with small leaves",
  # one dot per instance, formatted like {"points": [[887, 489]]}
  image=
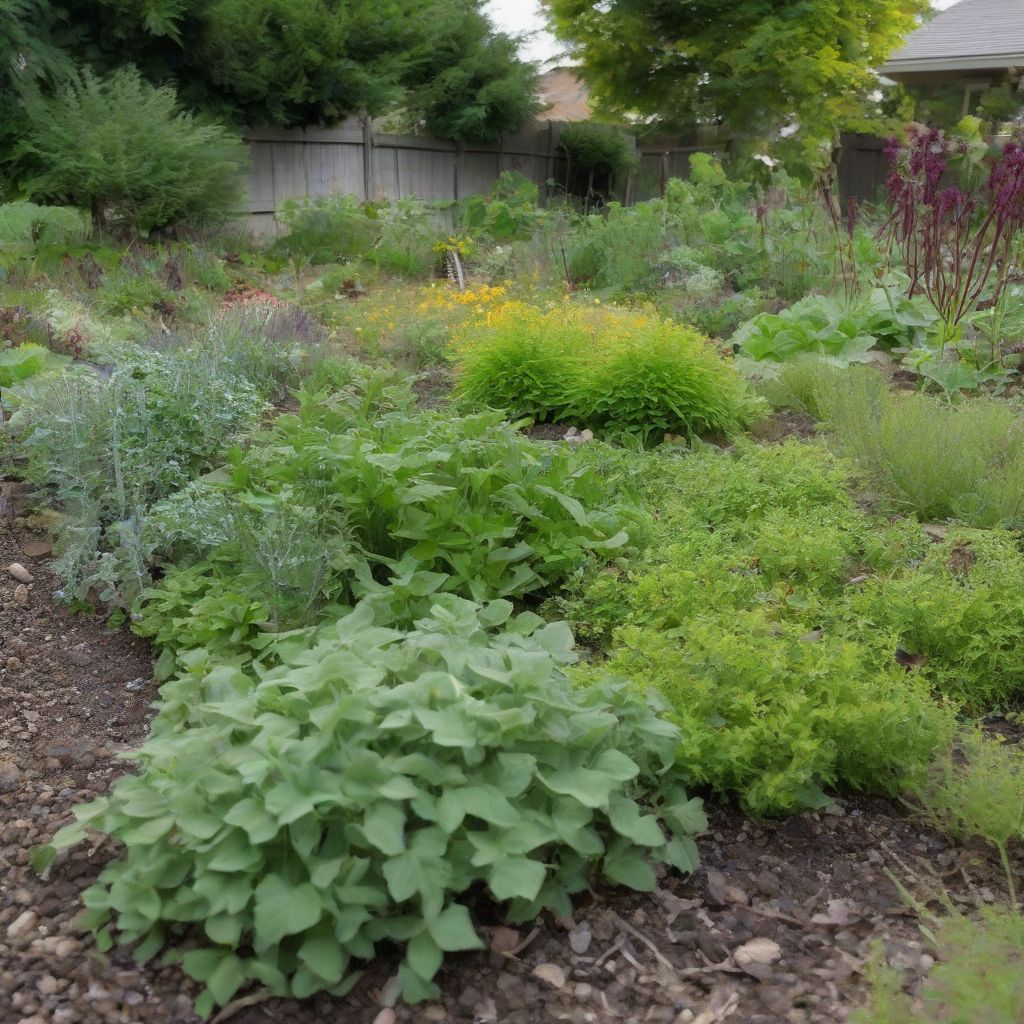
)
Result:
{"points": [[124, 150]]}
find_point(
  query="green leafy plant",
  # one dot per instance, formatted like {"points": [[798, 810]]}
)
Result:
{"points": [[28, 230], [978, 790], [379, 494], [618, 249], [24, 361], [124, 150], [508, 211], [291, 818], [325, 228], [976, 979], [818, 328]]}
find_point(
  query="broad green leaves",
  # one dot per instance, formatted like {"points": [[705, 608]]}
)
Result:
{"points": [[283, 909], [373, 775]]}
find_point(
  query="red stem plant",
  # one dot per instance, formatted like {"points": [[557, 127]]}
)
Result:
{"points": [[952, 239]]}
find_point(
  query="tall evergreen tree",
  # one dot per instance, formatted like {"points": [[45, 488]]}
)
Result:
{"points": [[287, 62]]}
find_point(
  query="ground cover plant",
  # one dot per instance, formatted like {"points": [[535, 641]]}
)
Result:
{"points": [[975, 979], [975, 476], [736, 615]]}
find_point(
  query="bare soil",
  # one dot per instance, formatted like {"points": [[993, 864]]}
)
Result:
{"points": [[74, 694]]}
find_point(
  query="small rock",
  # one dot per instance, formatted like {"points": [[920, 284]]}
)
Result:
{"points": [[22, 924], [386, 1016], [504, 940], [485, 1012], [723, 892], [756, 956], [21, 595], [11, 776], [81, 656], [839, 914], [433, 1013], [550, 973], [580, 938], [66, 948], [768, 883], [47, 984], [19, 572], [36, 548]]}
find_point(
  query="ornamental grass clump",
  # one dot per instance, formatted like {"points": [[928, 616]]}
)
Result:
{"points": [[613, 370], [942, 460]]}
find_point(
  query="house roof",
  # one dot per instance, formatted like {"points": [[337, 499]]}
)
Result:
{"points": [[971, 34], [565, 95]]}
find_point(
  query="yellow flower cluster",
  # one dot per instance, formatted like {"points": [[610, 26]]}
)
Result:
{"points": [[444, 297]]}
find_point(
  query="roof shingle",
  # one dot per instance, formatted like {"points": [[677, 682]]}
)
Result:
{"points": [[971, 29]]}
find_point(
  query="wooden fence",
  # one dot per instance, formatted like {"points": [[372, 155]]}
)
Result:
{"points": [[355, 158]]}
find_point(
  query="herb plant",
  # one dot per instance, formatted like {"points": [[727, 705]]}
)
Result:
{"points": [[354, 788]]}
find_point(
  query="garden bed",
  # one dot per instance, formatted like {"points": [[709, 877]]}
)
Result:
{"points": [[76, 694]]}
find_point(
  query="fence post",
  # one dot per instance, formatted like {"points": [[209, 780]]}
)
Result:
{"points": [[367, 158], [549, 170], [457, 186]]}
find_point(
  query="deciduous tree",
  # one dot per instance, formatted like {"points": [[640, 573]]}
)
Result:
{"points": [[753, 64]]}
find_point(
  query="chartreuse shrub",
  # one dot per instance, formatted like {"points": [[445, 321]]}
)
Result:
{"points": [[342, 493], [613, 370], [962, 461], [361, 782], [739, 614]]}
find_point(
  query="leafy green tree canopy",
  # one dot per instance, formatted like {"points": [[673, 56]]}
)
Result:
{"points": [[751, 64], [290, 62]]}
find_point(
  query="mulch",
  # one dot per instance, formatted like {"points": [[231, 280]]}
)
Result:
{"points": [[775, 926]]}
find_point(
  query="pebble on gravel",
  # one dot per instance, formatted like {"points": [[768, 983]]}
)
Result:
{"points": [[756, 957], [22, 924], [21, 595], [11, 776], [19, 572], [551, 973]]}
